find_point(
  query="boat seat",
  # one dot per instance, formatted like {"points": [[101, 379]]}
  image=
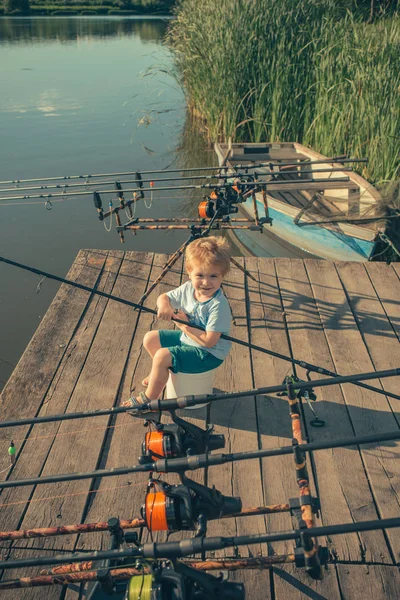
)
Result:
{"points": [[321, 205]]}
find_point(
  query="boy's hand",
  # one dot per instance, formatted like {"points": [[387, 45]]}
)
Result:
{"points": [[165, 312], [179, 314]]}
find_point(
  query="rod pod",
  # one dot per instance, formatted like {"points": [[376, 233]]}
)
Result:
{"points": [[307, 393]]}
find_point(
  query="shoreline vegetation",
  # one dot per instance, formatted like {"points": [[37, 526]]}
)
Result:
{"points": [[65, 8], [322, 72]]}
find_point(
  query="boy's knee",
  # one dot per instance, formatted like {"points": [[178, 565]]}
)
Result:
{"points": [[150, 338], [163, 357]]}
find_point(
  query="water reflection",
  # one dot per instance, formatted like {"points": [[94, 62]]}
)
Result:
{"points": [[73, 98], [194, 151], [70, 29]]}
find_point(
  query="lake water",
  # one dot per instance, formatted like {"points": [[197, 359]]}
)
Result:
{"points": [[81, 95]]}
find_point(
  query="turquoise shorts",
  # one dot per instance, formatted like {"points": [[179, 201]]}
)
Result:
{"points": [[185, 358]]}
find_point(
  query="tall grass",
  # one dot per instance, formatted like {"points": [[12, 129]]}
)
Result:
{"points": [[286, 70]]}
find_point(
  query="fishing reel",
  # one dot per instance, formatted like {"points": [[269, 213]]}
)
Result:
{"points": [[221, 203], [187, 506], [307, 394], [169, 581], [178, 439]]}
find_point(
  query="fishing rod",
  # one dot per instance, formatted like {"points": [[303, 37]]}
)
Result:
{"points": [[137, 523], [126, 573], [300, 363], [192, 463], [337, 159], [185, 401], [187, 547], [67, 186], [209, 186], [229, 563]]}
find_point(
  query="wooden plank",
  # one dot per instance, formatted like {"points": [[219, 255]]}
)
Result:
{"points": [[274, 424], [379, 582], [97, 387], [380, 339], [32, 456], [49, 344], [292, 584], [237, 420], [386, 282], [128, 434], [342, 484], [369, 411]]}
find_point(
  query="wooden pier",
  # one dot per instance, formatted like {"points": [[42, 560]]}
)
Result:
{"points": [[87, 354]]}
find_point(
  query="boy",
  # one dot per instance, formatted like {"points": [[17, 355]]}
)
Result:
{"points": [[199, 301]]}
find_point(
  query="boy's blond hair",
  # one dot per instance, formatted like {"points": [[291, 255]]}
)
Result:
{"points": [[209, 251]]}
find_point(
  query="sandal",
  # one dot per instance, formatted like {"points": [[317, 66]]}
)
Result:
{"points": [[139, 401]]}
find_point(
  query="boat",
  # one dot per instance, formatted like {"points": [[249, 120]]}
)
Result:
{"points": [[316, 204]]}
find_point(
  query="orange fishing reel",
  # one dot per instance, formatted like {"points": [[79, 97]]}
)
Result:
{"points": [[206, 209], [187, 506], [178, 439], [221, 203]]}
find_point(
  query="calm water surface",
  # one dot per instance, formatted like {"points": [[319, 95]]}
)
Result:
{"points": [[80, 95]]}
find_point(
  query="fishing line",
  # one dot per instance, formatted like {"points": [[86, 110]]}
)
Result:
{"points": [[67, 433], [99, 491], [7, 363], [31, 203]]}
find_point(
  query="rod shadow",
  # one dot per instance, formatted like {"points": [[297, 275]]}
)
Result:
{"points": [[272, 418]]}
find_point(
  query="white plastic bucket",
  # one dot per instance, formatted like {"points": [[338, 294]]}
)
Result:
{"points": [[188, 384]]}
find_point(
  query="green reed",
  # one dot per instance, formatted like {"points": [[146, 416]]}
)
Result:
{"points": [[283, 70]]}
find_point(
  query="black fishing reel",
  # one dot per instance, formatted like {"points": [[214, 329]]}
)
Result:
{"points": [[308, 395], [169, 581], [178, 439], [187, 506]]}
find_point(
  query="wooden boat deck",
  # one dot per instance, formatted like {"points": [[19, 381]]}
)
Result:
{"points": [[87, 354]]}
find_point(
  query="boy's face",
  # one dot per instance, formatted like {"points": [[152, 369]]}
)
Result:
{"points": [[206, 279]]}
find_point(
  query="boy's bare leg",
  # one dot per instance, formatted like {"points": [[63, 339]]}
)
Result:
{"points": [[158, 377], [151, 342]]}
